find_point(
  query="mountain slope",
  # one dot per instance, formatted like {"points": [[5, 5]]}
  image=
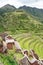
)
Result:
{"points": [[7, 8], [26, 29], [37, 13], [12, 19], [20, 21]]}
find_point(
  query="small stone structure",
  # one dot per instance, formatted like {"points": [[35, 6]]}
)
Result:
{"points": [[24, 61], [9, 42]]}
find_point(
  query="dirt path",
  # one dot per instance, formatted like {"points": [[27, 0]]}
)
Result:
{"points": [[1, 63]]}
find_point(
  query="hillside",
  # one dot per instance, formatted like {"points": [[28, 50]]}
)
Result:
{"points": [[7, 8], [25, 24], [35, 12], [23, 19], [19, 21]]}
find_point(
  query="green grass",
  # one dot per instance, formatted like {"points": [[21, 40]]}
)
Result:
{"points": [[27, 41], [26, 29], [7, 60], [19, 22], [31, 41]]}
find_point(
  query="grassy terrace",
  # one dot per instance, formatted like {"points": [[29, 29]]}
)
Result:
{"points": [[31, 41], [27, 41], [26, 26]]}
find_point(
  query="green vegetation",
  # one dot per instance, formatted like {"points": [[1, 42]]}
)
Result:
{"points": [[7, 8], [7, 60], [36, 13], [30, 41], [25, 24], [19, 21]]}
